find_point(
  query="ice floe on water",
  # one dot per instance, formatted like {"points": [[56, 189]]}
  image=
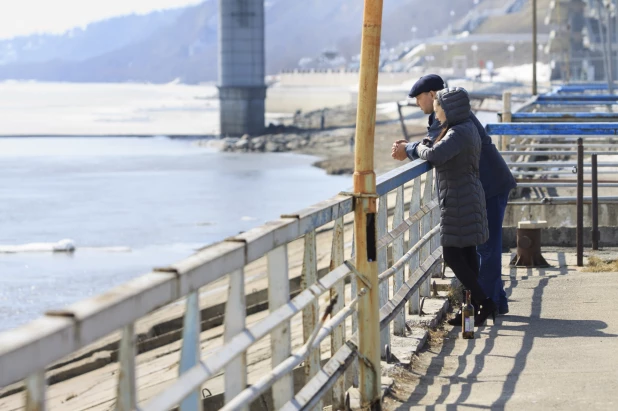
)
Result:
{"points": [[63, 246]]}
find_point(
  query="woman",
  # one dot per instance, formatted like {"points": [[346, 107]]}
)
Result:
{"points": [[463, 220]]}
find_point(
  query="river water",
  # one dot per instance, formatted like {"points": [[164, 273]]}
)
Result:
{"points": [[130, 204]]}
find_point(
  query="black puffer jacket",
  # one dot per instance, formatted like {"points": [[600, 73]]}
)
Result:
{"points": [[495, 175], [456, 158]]}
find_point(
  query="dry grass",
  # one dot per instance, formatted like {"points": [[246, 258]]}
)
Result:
{"points": [[596, 265], [436, 337]]}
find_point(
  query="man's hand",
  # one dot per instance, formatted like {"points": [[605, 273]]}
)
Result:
{"points": [[398, 152]]}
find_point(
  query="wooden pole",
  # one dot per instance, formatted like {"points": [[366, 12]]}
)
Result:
{"points": [[365, 216], [506, 117]]}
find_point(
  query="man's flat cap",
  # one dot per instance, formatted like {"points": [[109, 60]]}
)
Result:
{"points": [[430, 82]]}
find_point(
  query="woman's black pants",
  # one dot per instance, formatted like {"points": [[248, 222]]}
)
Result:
{"points": [[465, 264]]}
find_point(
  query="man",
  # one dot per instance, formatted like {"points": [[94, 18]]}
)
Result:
{"points": [[496, 178]]}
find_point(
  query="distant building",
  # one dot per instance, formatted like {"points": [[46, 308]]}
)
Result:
{"points": [[578, 40], [328, 59]]}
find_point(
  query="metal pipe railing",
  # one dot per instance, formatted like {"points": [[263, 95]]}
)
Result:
{"points": [[319, 334], [564, 185], [553, 172], [560, 117], [551, 130], [580, 202], [611, 98], [556, 153], [541, 164], [547, 127], [578, 168], [567, 200], [595, 204], [562, 145], [582, 87], [576, 103]]}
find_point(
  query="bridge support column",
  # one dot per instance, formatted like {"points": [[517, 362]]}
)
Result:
{"points": [[242, 91]]}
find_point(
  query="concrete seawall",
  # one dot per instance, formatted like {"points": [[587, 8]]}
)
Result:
{"points": [[563, 237], [560, 215], [561, 221]]}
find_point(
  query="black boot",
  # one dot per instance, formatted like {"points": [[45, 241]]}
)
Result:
{"points": [[456, 321], [488, 308]]}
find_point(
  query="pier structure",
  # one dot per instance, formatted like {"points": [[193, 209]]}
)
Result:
{"points": [[242, 88]]}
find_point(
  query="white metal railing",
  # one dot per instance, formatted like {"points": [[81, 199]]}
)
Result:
{"points": [[26, 352]]}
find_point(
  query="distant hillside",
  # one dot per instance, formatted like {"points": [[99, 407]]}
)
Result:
{"points": [[519, 22], [93, 40], [186, 49], [182, 44], [296, 29]]}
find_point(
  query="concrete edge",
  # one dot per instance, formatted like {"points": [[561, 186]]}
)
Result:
{"points": [[353, 401], [404, 349], [563, 237]]}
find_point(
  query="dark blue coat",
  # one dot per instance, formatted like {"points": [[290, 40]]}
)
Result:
{"points": [[495, 175]]}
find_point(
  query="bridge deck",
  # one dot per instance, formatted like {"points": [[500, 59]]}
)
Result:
{"points": [[556, 349]]}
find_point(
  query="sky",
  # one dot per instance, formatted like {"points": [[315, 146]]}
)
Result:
{"points": [[20, 17]]}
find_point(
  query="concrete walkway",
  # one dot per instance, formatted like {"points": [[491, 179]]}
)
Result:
{"points": [[557, 349]]}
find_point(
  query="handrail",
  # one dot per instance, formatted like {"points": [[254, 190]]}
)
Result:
{"points": [[61, 332], [552, 129], [579, 97], [25, 352], [596, 127], [556, 153]]}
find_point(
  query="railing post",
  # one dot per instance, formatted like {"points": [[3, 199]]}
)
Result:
{"points": [[354, 289], [35, 392], [280, 339], [425, 288], [385, 334], [338, 338], [534, 48], [235, 322], [399, 323], [190, 351], [126, 394], [415, 206], [309, 277], [595, 204], [506, 117], [403, 123], [365, 207], [580, 202], [435, 218], [435, 221]]}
